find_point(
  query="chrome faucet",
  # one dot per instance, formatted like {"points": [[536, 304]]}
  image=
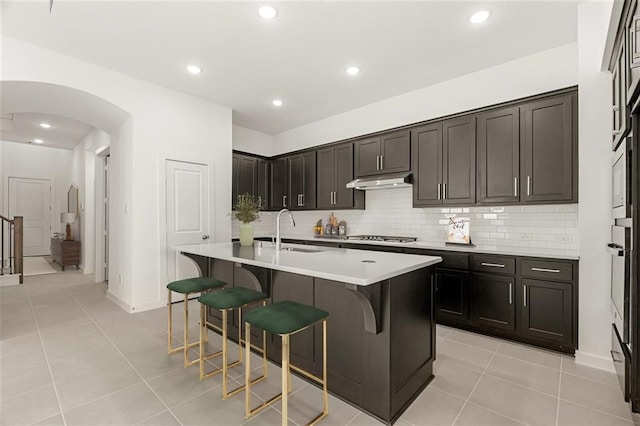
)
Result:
{"points": [[293, 223]]}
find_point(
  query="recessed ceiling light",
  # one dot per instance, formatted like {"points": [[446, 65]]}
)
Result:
{"points": [[267, 12], [277, 102], [194, 69], [353, 70], [480, 16], [38, 141], [45, 125]]}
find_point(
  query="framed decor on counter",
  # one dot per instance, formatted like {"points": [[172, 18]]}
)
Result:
{"points": [[459, 231]]}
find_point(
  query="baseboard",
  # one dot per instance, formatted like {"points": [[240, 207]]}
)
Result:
{"points": [[9, 280], [119, 302], [595, 361], [149, 306]]}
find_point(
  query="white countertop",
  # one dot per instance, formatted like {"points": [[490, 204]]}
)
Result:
{"points": [[344, 265], [510, 251]]}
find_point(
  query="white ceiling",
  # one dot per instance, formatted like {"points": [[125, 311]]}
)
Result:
{"points": [[64, 132], [301, 55]]}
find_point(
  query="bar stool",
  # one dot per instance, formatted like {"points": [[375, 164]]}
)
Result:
{"points": [[285, 319], [187, 287]]}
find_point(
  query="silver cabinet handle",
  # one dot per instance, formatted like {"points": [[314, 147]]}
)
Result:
{"points": [[302, 200], [444, 191], [515, 186], [335, 197], [382, 162], [555, 271], [439, 191], [493, 265], [260, 201], [511, 293], [528, 185], [525, 295], [205, 237], [378, 163], [284, 201]]}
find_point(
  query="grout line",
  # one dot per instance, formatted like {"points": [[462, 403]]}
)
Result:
{"points": [[46, 357], [476, 385], [591, 380], [599, 411], [559, 387], [496, 412]]}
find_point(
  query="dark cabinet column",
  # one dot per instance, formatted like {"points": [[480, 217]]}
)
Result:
{"points": [[367, 157], [279, 171], [550, 150], [452, 295], [326, 177], [308, 199], [248, 178], [264, 176], [395, 152], [345, 197], [296, 181], [499, 156], [459, 160], [427, 164], [235, 174], [493, 301], [547, 310]]}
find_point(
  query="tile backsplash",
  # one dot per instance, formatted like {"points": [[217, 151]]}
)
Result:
{"points": [[390, 212]]}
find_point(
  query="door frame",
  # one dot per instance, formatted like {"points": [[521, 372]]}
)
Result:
{"points": [[52, 190], [100, 195], [162, 209]]}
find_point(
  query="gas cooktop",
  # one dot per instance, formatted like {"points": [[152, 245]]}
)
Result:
{"points": [[385, 238]]}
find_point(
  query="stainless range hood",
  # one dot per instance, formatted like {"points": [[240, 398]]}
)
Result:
{"points": [[395, 180]]}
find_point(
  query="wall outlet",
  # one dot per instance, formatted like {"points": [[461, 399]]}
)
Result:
{"points": [[525, 236], [564, 238]]}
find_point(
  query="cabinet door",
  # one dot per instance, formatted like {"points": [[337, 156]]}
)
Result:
{"points": [[296, 181], [499, 156], [367, 157], [633, 50], [427, 164], [279, 169], [621, 125], [326, 177], [248, 177], [452, 295], [459, 161], [264, 176], [547, 310], [493, 301], [395, 151], [549, 160], [308, 199], [343, 196]]}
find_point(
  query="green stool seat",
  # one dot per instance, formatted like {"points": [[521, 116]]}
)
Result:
{"points": [[285, 317], [230, 298], [195, 285]]}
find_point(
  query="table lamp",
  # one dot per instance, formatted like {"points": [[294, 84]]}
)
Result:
{"points": [[68, 218]]}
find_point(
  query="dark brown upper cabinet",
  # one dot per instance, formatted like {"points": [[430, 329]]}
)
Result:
{"points": [[632, 26], [335, 170], [388, 153], [302, 181], [278, 187], [549, 139], [244, 176], [427, 164], [498, 164], [264, 176], [444, 162], [621, 117]]}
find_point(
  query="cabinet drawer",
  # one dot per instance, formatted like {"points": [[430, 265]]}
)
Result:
{"points": [[453, 260], [548, 270], [494, 264]]}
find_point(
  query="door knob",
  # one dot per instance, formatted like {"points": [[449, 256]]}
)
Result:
{"points": [[205, 237]]}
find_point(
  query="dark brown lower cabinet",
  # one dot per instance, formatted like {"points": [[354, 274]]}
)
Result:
{"points": [[493, 301], [452, 295], [547, 310]]}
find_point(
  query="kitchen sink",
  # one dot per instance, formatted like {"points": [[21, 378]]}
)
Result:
{"points": [[302, 250]]}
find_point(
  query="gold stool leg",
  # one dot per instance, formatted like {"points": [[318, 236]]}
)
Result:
{"points": [[285, 378], [225, 348], [170, 324], [325, 392], [203, 330], [247, 370], [186, 330]]}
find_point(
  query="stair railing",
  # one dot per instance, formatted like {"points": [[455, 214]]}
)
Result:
{"points": [[11, 236]]}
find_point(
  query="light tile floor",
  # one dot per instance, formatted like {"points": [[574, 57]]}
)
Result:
{"points": [[69, 356]]}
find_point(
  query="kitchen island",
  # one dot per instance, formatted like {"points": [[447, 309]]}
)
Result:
{"points": [[381, 328]]}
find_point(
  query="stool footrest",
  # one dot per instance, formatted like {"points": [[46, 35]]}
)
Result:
{"points": [[219, 370], [242, 387]]}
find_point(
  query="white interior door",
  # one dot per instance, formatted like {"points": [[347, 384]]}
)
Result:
{"points": [[31, 199], [187, 214]]}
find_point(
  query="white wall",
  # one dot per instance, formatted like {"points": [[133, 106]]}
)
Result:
{"points": [[163, 122], [248, 140], [595, 186], [531, 75], [39, 162]]}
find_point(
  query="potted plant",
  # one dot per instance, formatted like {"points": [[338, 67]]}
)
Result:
{"points": [[247, 210]]}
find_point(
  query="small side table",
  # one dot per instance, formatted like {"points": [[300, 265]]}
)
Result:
{"points": [[65, 252]]}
